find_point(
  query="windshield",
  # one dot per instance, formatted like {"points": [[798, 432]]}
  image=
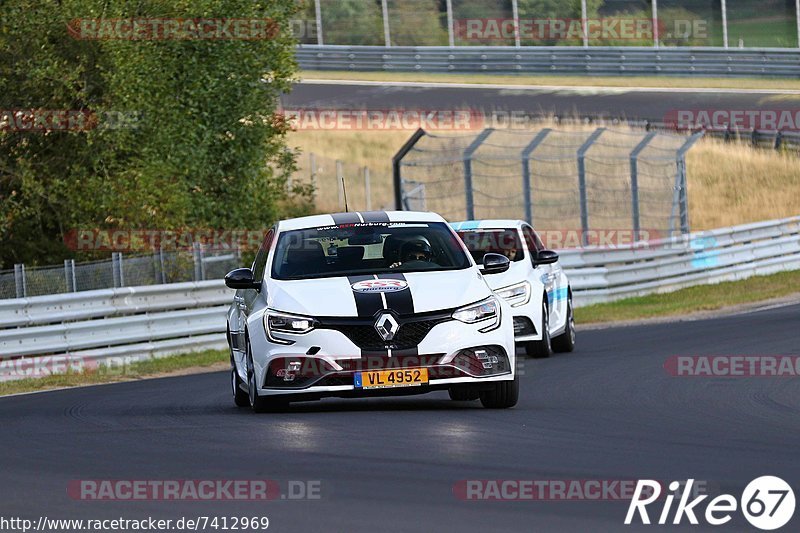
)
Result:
{"points": [[495, 241], [367, 248]]}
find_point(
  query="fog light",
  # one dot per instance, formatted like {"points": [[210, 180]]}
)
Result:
{"points": [[291, 370], [488, 361]]}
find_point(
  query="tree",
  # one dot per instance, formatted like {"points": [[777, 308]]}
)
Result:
{"points": [[201, 147]]}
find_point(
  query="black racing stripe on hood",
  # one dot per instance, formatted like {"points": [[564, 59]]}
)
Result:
{"points": [[400, 302], [375, 216], [367, 305], [346, 218]]}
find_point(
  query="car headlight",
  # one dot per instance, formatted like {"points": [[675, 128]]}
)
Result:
{"points": [[516, 295], [487, 311], [275, 322]]}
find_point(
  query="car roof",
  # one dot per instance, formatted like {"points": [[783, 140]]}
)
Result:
{"points": [[471, 225], [333, 219]]}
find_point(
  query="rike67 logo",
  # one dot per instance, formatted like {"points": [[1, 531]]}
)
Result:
{"points": [[767, 503]]}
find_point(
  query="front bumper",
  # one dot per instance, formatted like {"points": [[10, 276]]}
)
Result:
{"points": [[324, 362]]}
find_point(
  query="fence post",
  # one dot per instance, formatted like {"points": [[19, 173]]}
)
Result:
{"points": [[367, 189], [318, 14], [397, 162], [115, 270], [387, 33], [451, 34], [680, 199], [20, 282], [797, 19], [585, 23], [582, 184], [526, 172], [724, 24], [69, 275], [468, 188], [161, 264], [515, 15], [656, 36], [197, 256], [635, 182]]}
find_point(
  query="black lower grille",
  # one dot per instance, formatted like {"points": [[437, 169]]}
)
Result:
{"points": [[523, 326], [362, 333]]}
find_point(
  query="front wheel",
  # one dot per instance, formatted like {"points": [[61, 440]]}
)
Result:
{"points": [[259, 404], [240, 397], [566, 341], [543, 348], [505, 394]]}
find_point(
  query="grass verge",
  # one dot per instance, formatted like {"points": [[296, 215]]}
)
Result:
{"points": [[693, 299], [144, 369], [561, 81]]}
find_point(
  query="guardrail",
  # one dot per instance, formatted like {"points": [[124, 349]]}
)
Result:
{"points": [[143, 322], [94, 327], [571, 60], [602, 275]]}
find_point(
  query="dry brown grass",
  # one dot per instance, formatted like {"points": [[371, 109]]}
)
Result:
{"points": [[729, 184]]}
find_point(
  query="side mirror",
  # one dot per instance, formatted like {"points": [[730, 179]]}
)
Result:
{"points": [[495, 264], [546, 257], [241, 278]]}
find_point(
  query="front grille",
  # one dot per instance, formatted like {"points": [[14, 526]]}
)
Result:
{"points": [[411, 331]]}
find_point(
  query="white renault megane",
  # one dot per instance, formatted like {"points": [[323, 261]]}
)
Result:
{"points": [[365, 304]]}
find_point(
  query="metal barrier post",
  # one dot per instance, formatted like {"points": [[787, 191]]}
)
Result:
{"points": [[582, 183], [21, 284], [585, 23], [468, 188], [69, 275], [635, 182], [526, 172]]}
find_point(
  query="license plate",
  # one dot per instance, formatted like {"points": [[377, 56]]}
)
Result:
{"points": [[384, 379]]}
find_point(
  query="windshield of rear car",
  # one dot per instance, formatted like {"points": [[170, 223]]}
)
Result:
{"points": [[367, 248], [495, 241]]}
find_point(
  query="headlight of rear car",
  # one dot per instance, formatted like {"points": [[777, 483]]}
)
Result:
{"points": [[516, 295], [282, 323], [487, 311]]}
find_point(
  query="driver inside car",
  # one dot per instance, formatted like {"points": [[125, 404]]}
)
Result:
{"points": [[416, 250]]}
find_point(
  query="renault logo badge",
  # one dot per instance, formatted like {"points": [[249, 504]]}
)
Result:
{"points": [[386, 326]]}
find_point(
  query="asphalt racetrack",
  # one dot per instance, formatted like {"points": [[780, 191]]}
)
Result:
{"points": [[609, 411], [658, 105]]}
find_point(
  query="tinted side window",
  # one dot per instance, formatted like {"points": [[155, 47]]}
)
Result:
{"points": [[260, 264], [532, 241]]}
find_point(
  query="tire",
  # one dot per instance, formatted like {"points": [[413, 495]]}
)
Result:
{"points": [[541, 349], [463, 394], [565, 342], [504, 395], [240, 397], [259, 404]]}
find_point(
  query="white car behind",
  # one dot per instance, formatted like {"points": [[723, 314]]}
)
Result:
{"points": [[535, 285]]}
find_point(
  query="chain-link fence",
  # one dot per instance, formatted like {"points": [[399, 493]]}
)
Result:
{"points": [[161, 267], [557, 180], [659, 23]]}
